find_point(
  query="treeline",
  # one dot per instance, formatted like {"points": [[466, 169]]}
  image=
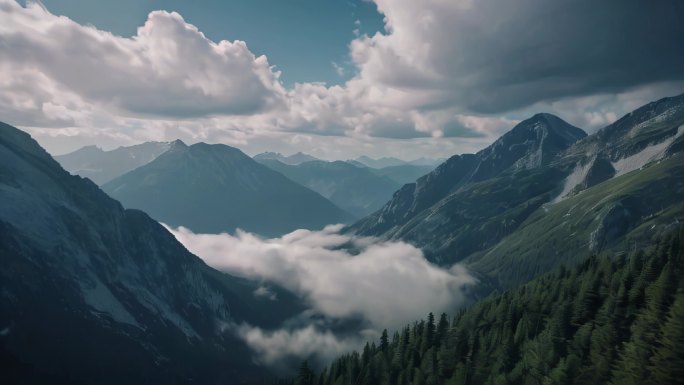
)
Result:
{"points": [[616, 321]]}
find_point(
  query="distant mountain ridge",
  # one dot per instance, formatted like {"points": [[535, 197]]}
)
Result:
{"points": [[391, 162], [102, 166], [293, 159], [217, 188], [359, 191]]}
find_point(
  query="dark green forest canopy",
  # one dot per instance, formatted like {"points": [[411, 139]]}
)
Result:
{"points": [[611, 320]]}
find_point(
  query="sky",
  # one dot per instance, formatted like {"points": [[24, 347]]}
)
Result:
{"points": [[336, 79]]}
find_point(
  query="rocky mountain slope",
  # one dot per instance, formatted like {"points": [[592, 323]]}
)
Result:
{"points": [[402, 174], [481, 208], [93, 293], [293, 159]]}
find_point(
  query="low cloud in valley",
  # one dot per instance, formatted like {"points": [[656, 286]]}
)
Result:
{"points": [[384, 284]]}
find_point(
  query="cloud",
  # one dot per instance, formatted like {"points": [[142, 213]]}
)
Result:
{"points": [[283, 349], [363, 281], [263, 291], [385, 283], [492, 56], [339, 70], [169, 68]]}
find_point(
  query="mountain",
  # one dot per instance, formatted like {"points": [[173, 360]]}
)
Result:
{"points": [[356, 163], [607, 321], [423, 161], [359, 191], [380, 162], [102, 166], [217, 188], [544, 186], [405, 173], [93, 293], [523, 148], [621, 187], [293, 159]]}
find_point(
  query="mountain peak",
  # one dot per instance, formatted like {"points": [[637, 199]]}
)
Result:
{"points": [[530, 144], [178, 143], [552, 124], [91, 147], [18, 140], [294, 159]]}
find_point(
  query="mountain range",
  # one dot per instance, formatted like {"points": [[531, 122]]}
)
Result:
{"points": [[543, 194], [95, 293], [293, 159], [217, 188], [102, 166], [359, 191], [391, 161]]}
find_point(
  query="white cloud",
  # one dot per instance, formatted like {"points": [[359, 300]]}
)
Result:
{"points": [[169, 68], [380, 284], [263, 291], [385, 283], [274, 348], [339, 70]]}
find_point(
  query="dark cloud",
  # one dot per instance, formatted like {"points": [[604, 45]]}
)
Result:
{"points": [[491, 56]]}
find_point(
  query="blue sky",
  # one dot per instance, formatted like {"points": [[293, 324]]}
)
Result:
{"points": [[428, 78], [301, 37]]}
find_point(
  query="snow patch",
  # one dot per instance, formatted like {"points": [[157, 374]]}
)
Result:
{"points": [[658, 118], [645, 156], [576, 177]]}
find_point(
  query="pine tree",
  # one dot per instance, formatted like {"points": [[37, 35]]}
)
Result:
{"points": [[668, 360], [305, 376]]}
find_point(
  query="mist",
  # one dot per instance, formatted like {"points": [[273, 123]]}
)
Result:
{"points": [[384, 284]]}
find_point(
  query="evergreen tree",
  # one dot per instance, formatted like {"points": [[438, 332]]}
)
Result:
{"points": [[668, 360]]}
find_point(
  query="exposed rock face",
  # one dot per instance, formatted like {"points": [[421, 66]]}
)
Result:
{"points": [[601, 169]]}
